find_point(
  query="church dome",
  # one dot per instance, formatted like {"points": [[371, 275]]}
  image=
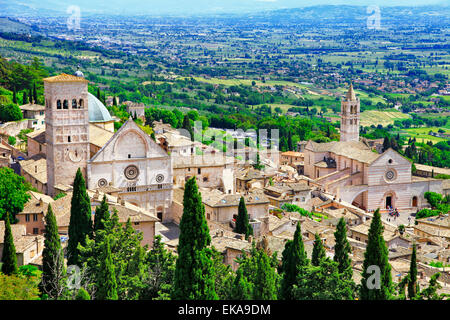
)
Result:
{"points": [[78, 73], [97, 110]]}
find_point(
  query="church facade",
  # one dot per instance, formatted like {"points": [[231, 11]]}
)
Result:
{"points": [[355, 173]]}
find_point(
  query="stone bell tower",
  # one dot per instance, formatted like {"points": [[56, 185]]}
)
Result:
{"points": [[67, 129], [350, 116]]}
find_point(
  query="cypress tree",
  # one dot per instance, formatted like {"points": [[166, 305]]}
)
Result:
{"points": [[101, 215], [52, 257], [242, 225], [264, 285], [98, 94], [242, 288], [14, 95], [114, 101], [293, 259], [194, 273], [34, 92], [9, 258], [376, 255], [80, 224], [24, 98], [187, 126], [342, 249], [412, 281], [106, 277], [30, 95], [318, 251]]}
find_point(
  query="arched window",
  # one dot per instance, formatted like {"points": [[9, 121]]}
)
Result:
{"points": [[81, 103], [66, 104], [68, 139], [74, 103], [58, 104]]}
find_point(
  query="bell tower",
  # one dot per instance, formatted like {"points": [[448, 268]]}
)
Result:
{"points": [[67, 129], [350, 116]]}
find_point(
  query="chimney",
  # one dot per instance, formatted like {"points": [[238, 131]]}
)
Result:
{"points": [[250, 239], [122, 202], [242, 236]]}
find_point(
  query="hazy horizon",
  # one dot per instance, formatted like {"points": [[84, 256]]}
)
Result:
{"points": [[193, 7]]}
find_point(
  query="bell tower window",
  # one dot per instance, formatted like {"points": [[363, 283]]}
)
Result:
{"points": [[58, 104]]}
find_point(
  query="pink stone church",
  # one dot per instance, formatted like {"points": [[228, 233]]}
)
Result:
{"points": [[355, 173]]}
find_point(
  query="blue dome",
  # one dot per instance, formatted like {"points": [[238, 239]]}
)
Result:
{"points": [[97, 110], [78, 73]]}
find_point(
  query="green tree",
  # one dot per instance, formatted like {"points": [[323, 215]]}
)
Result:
{"points": [[106, 278], [12, 140], [24, 98], [17, 287], [35, 97], [194, 273], [376, 255], [101, 214], [13, 194], [342, 250], [161, 270], [412, 275], [293, 259], [53, 270], [318, 252], [10, 112], [322, 282], [264, 283], [80, 224], [14, 96], [242, 224], [187, 126], [9, 258], [82, 294], [242, 289]]}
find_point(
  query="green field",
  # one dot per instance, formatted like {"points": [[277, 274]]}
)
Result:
{"points": [[422, 134], [376, 117]]}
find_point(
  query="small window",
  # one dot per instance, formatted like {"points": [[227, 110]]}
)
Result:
{"points": [[129, 156], [68, 139], [66, 104], [390, 161], [27, 217], [199, 170], [35, 230], [58, 104], [81, 104], [35, 217], [74, 103]]}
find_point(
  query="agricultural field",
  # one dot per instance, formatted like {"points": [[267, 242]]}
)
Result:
{"points": [[376, 117], [421, 134]]}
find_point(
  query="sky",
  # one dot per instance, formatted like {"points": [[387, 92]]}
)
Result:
{"points": [[161, 7]]}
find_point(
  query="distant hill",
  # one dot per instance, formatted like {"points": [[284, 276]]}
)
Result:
{"points": [[8, 25], [294, 9]]}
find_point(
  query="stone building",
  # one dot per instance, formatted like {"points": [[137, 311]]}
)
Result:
{"points": [[355, 173], [132, 162], [67, 128], [35, 114]]}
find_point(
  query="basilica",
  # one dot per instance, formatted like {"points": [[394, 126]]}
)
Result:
{"points": [[128, 160], [359, 175]]}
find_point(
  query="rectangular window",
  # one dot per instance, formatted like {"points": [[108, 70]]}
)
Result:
{"points": [[35, 217], [35, 230], [199, 170], [27, 217]]}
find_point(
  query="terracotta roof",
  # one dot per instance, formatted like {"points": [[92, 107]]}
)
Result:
{"points": [[350, 96], [21, 240], [38, 136], [32, 107], [37, 203], [292, 154], [351, 149], [215, 198], [436, 170], [63, 77], [36, 167], [99, 136]]}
